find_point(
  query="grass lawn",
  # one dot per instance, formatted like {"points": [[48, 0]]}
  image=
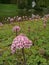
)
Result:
{"points": [[8, 10], [34, 56]]}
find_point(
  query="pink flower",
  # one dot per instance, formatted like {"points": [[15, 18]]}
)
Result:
{"points": [[1, 24], [19, 19], [11, 19], [21, 41], [16, 29]]}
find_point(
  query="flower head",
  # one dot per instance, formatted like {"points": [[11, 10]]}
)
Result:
{"points": [[21, 41], [16, 28], [1, 24]]}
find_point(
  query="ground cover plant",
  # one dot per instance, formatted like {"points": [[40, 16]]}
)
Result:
{"points": [[37, 54]]}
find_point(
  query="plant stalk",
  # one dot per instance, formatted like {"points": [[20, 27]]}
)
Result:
{"points": [[23, 56]]}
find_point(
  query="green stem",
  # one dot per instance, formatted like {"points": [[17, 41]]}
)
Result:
{"points": [[16, 32], [23, 56]]}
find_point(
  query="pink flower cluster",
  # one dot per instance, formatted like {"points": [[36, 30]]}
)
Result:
{"points": [[21, 41], [16, 29]]}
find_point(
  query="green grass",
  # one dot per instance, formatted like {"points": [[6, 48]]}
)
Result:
{"points": [[38, 35], [8, 10]]}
